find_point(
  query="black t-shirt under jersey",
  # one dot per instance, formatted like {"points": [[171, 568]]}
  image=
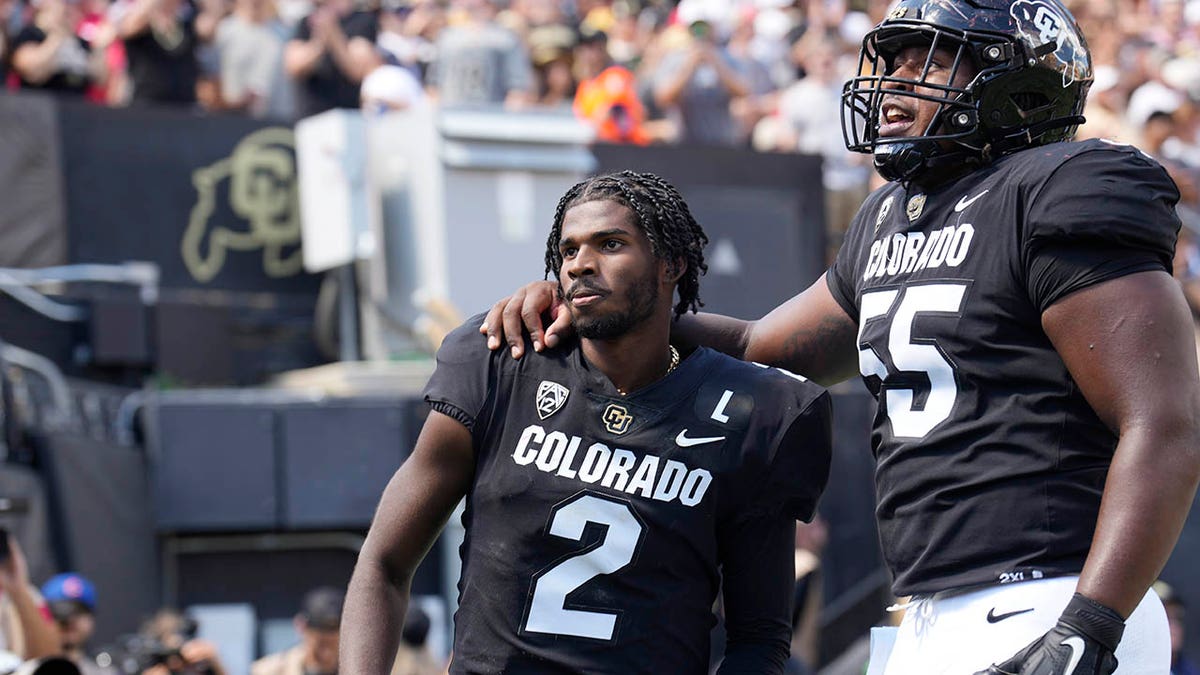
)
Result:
{"points": [[599, 526], [989, 462]]}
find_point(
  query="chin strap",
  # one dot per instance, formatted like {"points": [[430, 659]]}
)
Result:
{"points": [[908, 161], [1029, 137], [902, 161]]}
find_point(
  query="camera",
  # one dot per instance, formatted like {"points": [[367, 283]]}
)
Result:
{"points": [[134, 654]]}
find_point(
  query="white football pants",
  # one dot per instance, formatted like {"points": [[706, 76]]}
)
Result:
{"points": [[963, 633]]}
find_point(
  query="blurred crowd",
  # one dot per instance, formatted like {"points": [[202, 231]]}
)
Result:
{"points": [[762, 74]]}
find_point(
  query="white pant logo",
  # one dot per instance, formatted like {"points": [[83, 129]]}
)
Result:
{"points": [[1077, 648]]}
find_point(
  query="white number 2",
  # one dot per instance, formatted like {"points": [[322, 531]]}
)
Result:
{"points": [[547, 611], [910, 356]]}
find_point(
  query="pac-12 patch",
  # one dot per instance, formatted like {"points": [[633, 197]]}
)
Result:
{"points": [[550, 398]]}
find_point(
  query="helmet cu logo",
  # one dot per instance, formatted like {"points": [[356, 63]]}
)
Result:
{"points": [[1043, 24], [1048, 23], [617, 419]]}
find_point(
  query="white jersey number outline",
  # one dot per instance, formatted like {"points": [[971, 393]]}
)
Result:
{"points": [[547, 612], [909, 355]]}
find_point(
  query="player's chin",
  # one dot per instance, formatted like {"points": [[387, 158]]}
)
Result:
{"points": [[600, 325]]}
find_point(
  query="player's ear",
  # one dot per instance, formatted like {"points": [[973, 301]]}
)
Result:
{"points": [[672, 270]]}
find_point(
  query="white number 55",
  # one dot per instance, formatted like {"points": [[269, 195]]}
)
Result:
{"points": [[911, 356]]}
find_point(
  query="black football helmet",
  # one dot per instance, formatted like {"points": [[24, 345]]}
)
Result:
{"points": [[1032, 73]]}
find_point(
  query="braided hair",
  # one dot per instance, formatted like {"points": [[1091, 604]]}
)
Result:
{"points": [[661, 213]]}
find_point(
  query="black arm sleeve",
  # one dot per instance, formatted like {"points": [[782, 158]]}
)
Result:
{"points": [[758, 574], [758, 549]]}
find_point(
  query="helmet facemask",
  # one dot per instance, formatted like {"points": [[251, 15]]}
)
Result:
{"points": [[953, 129], [1031, 71]]}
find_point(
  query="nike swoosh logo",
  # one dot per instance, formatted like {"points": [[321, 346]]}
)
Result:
{"points": [[1077, 648], [683, 441], [964, 202], [993, 617]]}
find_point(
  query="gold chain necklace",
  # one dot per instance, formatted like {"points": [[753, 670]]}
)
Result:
{"points": [[670, 367]]}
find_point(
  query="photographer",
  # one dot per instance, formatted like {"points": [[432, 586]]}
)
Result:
{"points": [[698, 81], [170, 647]]}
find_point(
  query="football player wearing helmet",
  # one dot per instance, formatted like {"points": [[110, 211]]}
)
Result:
{"points": [[613, 485], [1007, 298]]}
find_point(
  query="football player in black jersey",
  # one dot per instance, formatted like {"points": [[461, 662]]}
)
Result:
{"points": [[1007, 298], [613, 484]]}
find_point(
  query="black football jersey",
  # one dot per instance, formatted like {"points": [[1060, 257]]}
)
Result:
{"points": [[989, 462], [598, 526]]}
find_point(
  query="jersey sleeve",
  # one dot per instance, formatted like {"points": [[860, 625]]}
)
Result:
{"points": [[799, 469], [461, 383], [1104, 213], [793, 469]]}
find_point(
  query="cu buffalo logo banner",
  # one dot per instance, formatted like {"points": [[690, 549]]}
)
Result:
{"points": [[259, 181]]}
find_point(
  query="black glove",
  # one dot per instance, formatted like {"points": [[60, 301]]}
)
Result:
{"points": [[1081, 643]]}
